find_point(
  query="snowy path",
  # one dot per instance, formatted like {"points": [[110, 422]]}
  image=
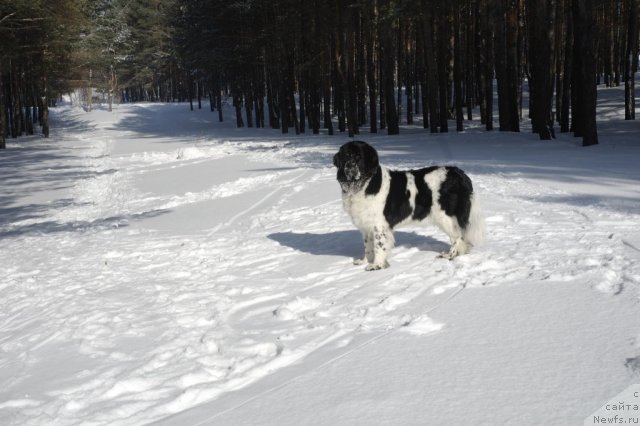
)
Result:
{"points": [[153, 260]]}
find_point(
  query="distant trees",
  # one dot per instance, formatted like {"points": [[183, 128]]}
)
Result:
{"points": [[128, 50], [376, 62], [630, 56], [106, 45], [123, 48], [302, 66], [36, 39]]}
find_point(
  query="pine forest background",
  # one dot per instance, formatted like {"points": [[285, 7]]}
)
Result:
{"points": [[303, 66]]}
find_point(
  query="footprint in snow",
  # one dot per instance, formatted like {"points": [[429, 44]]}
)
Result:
{"points": [[633, 365]]}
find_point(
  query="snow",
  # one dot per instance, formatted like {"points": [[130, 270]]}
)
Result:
{"points": [[159, 266]]}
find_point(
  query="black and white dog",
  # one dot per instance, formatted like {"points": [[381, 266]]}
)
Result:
{"points": [[378, 200]]}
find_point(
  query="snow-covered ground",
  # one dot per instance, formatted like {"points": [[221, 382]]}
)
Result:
{"points": [[159, 266]]}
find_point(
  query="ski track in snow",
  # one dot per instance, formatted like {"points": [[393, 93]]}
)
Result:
{"points": [[140, 323]]}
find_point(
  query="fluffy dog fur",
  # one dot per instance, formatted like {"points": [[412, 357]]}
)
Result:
{"points": [[378, 200]]}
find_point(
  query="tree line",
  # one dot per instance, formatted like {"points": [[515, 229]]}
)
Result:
{"points": [[50, 48], [307, 65], [34, 61]]}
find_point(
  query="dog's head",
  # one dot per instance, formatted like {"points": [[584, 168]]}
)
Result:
{"points": [[356, 161]]}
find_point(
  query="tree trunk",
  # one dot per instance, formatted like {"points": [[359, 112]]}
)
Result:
{"points": [[272, 106], [283, 103], [485, 63], [372, 81], [292, 97], [541, 25], [444, 47], [431, 67], [248, 107], [382, 88], [199, 95], [219, 104], [3, 122], [388, 59], [506, 65], [631, 62], [470, 68], [237, 104], [326, 94], [409, 76], [360, 68], [45, 105], [567, 73], [584, 72], [457, 71], [501, 65], [189, 84], [391, 114], [346, 68]]}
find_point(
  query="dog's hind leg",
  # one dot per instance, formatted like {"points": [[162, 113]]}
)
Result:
{"points": [[458, 245]]}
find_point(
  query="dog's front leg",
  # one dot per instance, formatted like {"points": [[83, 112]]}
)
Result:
{"points": [[367, 238], [382, 242]]}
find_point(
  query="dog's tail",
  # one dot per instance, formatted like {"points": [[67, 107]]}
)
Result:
{"points": [[474, 232]]}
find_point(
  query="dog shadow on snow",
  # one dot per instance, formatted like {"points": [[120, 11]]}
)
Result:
{"points": [[349, 243]]}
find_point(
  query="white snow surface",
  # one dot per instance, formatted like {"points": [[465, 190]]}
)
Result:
{"points": [[159, 266]]}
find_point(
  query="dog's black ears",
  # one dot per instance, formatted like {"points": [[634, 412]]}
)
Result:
{"points": [[336, 161]]}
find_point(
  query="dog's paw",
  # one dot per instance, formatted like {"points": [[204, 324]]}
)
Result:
{"points": [[376, 266], [448, 255]]}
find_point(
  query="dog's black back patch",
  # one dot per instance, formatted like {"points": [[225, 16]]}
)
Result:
{"points": [[455, 195], [424, 197], [397, 207]]}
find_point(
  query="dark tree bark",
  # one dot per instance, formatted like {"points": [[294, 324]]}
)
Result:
{"points": [[541, 27], [470, 87], [388, 44], [584, 73], [3, 122], [631, 62], [409, 78], [485, 63], [444, 48], [290, 88], [399, 65], [283, 103], [45, 104], [514, 71], [381, 86], [567, 71], [457, 71], [199, 93], [372, 81], [219, 104], [350, 63], [391, 114], [431, 68], [360, 67], [237, 104], [248, 107], [506, 64]]}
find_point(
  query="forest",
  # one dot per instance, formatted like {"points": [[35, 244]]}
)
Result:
{"points": [[306, 66]]}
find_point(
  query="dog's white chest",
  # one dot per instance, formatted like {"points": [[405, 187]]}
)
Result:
{"points": [[359, 208], [367, 211]]}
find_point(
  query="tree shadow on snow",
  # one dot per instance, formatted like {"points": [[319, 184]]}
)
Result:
{"points": [[349, 243]]}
